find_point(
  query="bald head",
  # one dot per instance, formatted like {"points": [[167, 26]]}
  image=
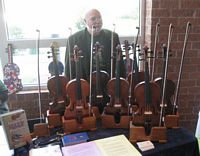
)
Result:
{"points": [[93, 19]]}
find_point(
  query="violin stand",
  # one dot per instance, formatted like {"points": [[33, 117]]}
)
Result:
{"points": [[137, 133], [54, 120], [108, 121], [72, 126], [172, 121], [41, 130]]}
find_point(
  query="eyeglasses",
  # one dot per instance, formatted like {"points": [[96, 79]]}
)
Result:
{"points": [[95, 18]]}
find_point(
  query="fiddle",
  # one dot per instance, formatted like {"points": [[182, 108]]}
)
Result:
{"points": [[128, 61], [78, 90], [56, 86], [118, 91], [135, 76], [167, 84], [60, 68], [11, 72], [147, 95], [99, 81]]}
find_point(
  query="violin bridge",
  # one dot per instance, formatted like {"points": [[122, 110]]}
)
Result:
{"points": [[117, 105], [99, 96]]}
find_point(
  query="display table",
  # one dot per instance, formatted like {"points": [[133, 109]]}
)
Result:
{"points": [[179, 142]]}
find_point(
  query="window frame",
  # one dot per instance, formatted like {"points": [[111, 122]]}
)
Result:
{"points": [[44, 43]]}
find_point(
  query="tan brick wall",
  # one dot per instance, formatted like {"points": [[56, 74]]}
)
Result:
{"points": [[179, 12]]}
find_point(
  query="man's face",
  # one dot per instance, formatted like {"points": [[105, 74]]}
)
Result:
{"points": [[93, 19]]}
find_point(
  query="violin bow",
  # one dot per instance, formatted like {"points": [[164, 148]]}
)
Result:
{"points": [[181, 66], [155, 50], [91, 54], [111, 52], [70, 68], [162, 105]]}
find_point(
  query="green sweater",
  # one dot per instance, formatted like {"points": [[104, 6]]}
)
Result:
{"points": [[3, 93], [3, 87]]}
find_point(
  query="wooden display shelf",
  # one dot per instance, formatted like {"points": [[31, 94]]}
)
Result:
{"points": [[108, 121], [72, 126], [54, 120], [137, 133], [171, 121]]}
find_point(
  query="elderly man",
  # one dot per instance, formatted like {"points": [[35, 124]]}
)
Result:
{"points": [[82, 39]]}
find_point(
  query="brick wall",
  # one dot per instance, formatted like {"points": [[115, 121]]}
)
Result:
{"points": [[29, 101], [178, 12]]}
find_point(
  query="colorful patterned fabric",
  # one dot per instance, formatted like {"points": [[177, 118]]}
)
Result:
{"points": [[11, 72]]}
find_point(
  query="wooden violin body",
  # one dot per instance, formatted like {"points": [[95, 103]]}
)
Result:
{"points": [[116, 113], [77, 109], [118, 105], [136, 78], [77, 116], [99, 90], [56, 86], [169, 93], [57, 89], [147, 96], [139, 93]]}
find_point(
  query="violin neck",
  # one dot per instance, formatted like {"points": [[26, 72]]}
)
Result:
{"points": [[78, 82], [148, 98], [98, 86], [117, 82]]}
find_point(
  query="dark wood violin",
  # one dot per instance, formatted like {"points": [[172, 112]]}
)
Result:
{"points": [[78, 91], [56, 86], [118, 91], [99, 81], [147, 95]]}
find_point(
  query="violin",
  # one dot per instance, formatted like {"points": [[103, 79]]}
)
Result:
{"points": [[166, 85], [56, 86], [147, 95], [99, 81], [78, 90], [60, 68], [118, 91], [128, 61], [11, 72], [169, 85], [135, 76]]}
